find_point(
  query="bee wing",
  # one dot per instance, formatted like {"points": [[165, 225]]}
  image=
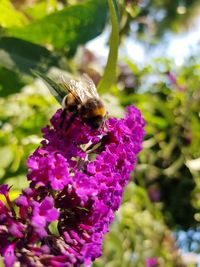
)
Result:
{"points": [[91, 90], [56, 90], [82, 90], [74, 87]]}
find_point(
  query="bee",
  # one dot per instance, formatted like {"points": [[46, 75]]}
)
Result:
{"points": [[80, 98]]}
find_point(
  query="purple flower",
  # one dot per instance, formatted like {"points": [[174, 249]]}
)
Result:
{"points": [[48, 169], [4, 189], [154, 194], [151, 262], [77, 177], [172, 78], [43, 213], [16, 229], [9, 254]]}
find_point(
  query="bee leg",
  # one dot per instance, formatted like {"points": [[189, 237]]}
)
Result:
{"points": [[72, 118], [62, 116]]}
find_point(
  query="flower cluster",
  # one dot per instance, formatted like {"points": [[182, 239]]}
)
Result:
{"points": [[77, 177]]}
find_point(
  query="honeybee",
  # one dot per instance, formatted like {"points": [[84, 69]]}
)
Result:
{"points": [[80, 98]]}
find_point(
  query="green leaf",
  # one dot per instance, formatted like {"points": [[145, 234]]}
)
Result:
{"points": [[1, 262], [67, 28], [53, 227], [19, 55], [7, 85], [18, 183], [109, 76], [40, 9], [10, 17], [55, 89], [6, 156]]}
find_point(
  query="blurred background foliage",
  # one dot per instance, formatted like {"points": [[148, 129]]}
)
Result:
{"points": [[160, 212]]}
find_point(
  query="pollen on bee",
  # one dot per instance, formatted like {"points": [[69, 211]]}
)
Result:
{"points": [[99, 111]]}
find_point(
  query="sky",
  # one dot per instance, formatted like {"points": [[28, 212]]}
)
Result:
{"points": [[178, 47]]}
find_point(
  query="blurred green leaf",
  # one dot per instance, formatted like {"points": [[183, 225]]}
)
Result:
{"points": [[159, 122], [19, 55], [53, 228], [40, 9], [10, 17], [7, 85], [55, 89], [67, 28], [14, 194], [6, 156], [1, 262], [109, 76], [18, 183]]}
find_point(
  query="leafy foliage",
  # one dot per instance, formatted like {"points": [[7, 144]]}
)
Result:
{"points": [[21, 116], [9, 86], [150, 20], [10, 17], [170, 106], [26, 47], [138, 234], [22, 56], [67, 28]]}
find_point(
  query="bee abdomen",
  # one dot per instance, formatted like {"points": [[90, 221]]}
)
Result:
{"points": [[99, 111]]}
